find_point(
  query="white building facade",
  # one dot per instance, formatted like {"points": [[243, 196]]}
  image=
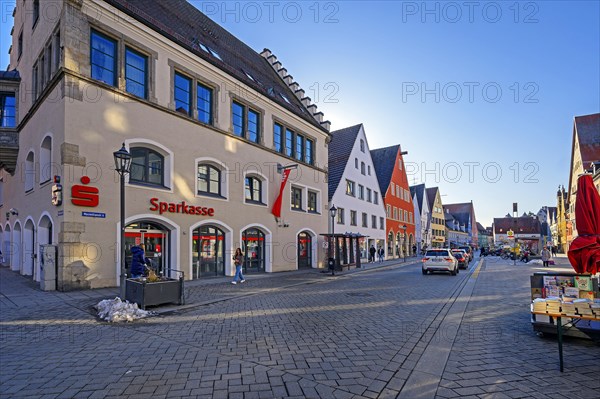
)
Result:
{"points": [[354, 189]]}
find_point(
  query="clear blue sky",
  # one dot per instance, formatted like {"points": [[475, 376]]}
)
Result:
{"points": [[482, 95]]}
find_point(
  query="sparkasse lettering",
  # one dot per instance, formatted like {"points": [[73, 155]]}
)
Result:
{"points": [[181, 207]]}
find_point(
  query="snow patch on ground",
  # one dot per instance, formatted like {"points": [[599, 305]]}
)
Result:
{"points": [[115, 310]]}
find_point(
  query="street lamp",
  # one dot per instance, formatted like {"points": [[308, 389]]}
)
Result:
{"points": [[122, 166], [404, 243], [332, 213]]}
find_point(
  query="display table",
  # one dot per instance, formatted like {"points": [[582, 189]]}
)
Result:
{"points": [[559, 329]]}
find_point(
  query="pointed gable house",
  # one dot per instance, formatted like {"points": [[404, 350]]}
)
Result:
{"points": [[393, 183], [354, 189], [465, 214], [422, 219], [437, 219]]}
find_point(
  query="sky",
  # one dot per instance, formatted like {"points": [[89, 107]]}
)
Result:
{"points": [[482, 95]]}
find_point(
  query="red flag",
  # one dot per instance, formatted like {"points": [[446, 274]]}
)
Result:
{"points": [[277, 205]]}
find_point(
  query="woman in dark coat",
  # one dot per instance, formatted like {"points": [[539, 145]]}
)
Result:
{"points": [[138, 262]]}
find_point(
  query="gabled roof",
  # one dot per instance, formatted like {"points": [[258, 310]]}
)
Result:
{"points": [[185, 25], [587, 130], [419, 190], [524, 225], [384, 161], [480, 228], [462, 212], [340, 147], [431, 193]]}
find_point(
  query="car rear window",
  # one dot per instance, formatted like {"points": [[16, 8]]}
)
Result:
{"points": [[437, 253]]}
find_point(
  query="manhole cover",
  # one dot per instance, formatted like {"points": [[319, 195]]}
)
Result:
{"points": [[359, 294]]}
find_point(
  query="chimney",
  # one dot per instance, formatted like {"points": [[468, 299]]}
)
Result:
{"points": [[277, 65], [319, 116], [266, 53], [294, 86], [312, 108], [305, 101], [326, 125], [282, 72], [272, 59], [288, 79]]}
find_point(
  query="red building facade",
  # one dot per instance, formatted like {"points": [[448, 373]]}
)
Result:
{"points": [[400, 218]]}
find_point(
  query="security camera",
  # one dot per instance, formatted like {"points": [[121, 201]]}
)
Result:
{"points": [[14, 211]]}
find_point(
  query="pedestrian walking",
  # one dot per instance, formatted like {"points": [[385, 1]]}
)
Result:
{"points": [[414, 250], [372, 251], [238, 260], [554, 250], [380, 253], [546, 255]]}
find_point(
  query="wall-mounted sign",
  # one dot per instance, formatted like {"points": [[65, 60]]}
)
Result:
{"points": [[84, 195], [179, 207], [56, 192], [94, 215]]}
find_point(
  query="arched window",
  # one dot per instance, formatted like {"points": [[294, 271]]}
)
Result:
{"points": [[29, 171], [253, 190], [46, 160], [147, 167], [209, 180]]}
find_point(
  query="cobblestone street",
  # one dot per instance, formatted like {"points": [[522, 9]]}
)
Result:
{"points": [[377, 332]]}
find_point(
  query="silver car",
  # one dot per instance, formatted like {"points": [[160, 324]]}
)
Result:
{"points": [[439, 260]]}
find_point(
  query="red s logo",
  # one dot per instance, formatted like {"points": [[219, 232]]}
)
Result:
{"points": [[84, 195]]}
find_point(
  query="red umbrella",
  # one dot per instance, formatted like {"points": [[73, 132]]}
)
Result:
{"points": [[584, 252]]}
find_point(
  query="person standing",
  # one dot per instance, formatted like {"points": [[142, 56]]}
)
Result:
{"points": [[546, 255], [238, 260], [380, 253], [372, 253], [138, 262]]}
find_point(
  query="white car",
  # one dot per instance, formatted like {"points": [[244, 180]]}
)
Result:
{"points": [[439, 260]]}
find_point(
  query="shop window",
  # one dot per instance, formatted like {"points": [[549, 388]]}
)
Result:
{"points": [[136, 73], [296, 199], [183, 94], [209, 180], [147, 167], [8, 110], [253, 190], [103, 58]]}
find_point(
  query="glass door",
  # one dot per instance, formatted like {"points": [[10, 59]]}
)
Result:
{"points": [[153, 239], [253, 241], [304, 250], [208, 250]]}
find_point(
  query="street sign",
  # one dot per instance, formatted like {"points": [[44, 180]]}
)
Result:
{"points": [[510, 233]]}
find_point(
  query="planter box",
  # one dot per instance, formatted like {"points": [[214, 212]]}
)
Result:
{"points": [[153, 294]]}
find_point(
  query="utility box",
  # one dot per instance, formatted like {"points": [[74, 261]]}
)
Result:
{"points": [[48, 267]]}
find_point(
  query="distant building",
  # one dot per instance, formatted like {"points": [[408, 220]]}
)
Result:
{"points": [[456, 232], [465, 214], [484, 236], [437, 219], [422, 223], [526, 230]]}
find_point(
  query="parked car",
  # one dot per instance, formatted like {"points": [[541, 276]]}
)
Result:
{"points": [[439, 260], [468, 250], [462, 258]]}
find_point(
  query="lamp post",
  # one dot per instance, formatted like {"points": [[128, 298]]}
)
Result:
{"points": [[122, 166], [404, 243], [332, 213]]}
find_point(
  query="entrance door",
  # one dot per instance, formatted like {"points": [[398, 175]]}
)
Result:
{"points": [[154, 240], [253, 242], [304, 250], [208, 250]]}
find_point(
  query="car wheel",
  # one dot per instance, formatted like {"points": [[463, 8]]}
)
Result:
{"points": [[424, 271], [453, 272]]}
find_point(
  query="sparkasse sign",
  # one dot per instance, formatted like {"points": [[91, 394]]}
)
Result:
{"points": [[179, 207]]}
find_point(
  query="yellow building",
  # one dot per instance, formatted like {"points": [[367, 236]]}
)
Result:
{"points": [[438, 219]]}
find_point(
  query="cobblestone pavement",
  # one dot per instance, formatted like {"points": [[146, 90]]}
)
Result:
{"points": [[378, 332]]}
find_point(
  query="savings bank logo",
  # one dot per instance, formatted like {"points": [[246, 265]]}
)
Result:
{"points": [[84, 195]]}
